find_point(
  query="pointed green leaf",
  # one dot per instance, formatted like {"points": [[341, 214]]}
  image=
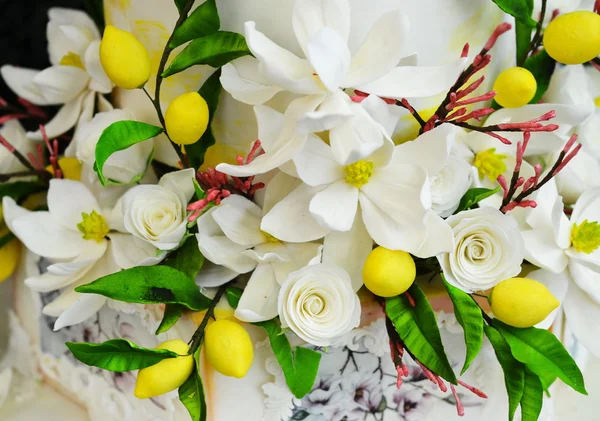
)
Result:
{"points": [[468, 314], [300, 366], [419, 331], [172, 314], [533, 397], [120, 136], [523, 34], [180, 4], [542, 353], [149, 285], [119, 355], [474, 196], [542, 67], [514, 371], [204, 20], [216, 50], [519, 9], [187, 258], [233, 295], [191, 395]]}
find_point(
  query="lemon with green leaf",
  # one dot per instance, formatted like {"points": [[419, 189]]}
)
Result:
{"points": [[228, 348], [573, 38], [388, 273], [522, 302]]}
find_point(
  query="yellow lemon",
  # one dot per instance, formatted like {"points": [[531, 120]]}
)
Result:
{"points": [[124, 59], [71, 168], [573, 38], [515, 87], [168, 374], [186, 118], [9, 258], [388, 273], [522, 302], [228, 348]]}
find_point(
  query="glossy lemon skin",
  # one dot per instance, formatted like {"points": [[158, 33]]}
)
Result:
{"points": [[124, 58], [388, 273], [228, 348], [10, 254], [522, 302], [186, 118], [573, 38], [515, 87], [168, 374]]}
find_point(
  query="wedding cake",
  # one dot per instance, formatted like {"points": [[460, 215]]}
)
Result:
{"points": [[462, 189]]}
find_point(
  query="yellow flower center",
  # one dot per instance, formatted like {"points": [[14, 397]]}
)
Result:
{"points": [[93, 226], [269, 238], [358, 174], [72, 59], [586, 237], [597, 101], [490, 164]]}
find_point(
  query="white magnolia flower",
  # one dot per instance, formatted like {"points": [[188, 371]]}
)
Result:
{"points": [[318, 304], [229, 236], [158, 213], [488, 249], [322, 30], [74, 78], [127, 166], [14, 133], [78, 238]]}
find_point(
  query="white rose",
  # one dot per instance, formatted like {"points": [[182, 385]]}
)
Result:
{"points": [[449, 185], [488, 249], [127, 166], [157, 213], [318, 304], [14, 133]]}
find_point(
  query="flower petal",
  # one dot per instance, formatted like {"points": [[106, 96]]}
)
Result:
{"points": [[181, 183], [277, 189], [430, 150], [586, 279], [542, 251], [587, 206], [100, 81], [378, 56], [47, 282], [61, 84], [63, 121], [316, 165], [440, 238], [309, 16], [20, 81], [68, 200], [129, 251], [212, 276], [558, 284], [349, 250], [242, 79], [335, 207], [83, 308], [279, 66], [329, 56], [11, 211], [259, 300], [290, 219], [415, 81], [332, 112], [239, 218], [583, 318]]}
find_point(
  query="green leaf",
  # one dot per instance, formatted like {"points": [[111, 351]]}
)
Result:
{"points": [[299, 366], [468, 314], [533, 397], [216, 50], [20, 189], [233, 296], [119, 355], [172, 314], [180, 4], [543, 354], [514, 371], [210, 91], [474, 196], [119, 136], [519, 9], [149, 285], [187, 258], [191, 395], [418, 330], [7, 238], [542, 67], [203, 21], [523, 34]]}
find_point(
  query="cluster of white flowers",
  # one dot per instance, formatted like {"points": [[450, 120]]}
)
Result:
{"points": [[338, 180]]}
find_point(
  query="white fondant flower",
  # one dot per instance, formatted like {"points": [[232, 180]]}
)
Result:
{"points": [[75, 76], [74, 236], [488, 249], [158, 213], [318, 304], [322, 30], [229, 236], [127, 166], [14, 133]]}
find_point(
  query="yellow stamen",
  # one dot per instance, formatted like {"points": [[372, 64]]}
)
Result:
{"points": [[93, 226], [597, 101], [586, 237], [72, 59], [490, 164], [358, 174], [269, 238]]}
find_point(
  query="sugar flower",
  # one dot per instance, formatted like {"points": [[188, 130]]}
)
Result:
{"points": [[14, 133], [74, 78]]}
